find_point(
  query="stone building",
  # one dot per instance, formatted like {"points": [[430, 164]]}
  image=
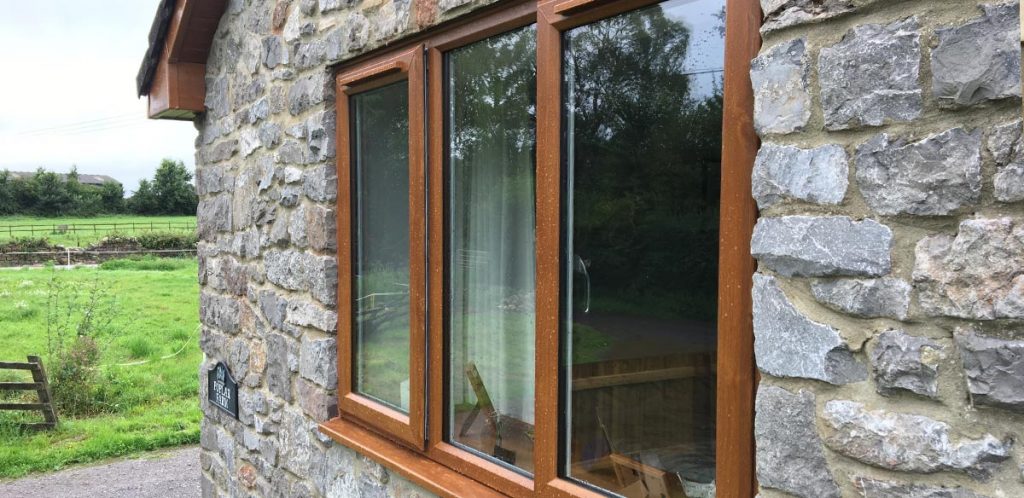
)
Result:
{"points": [[474, 248]]}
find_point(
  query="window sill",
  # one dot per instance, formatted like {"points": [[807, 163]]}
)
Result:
{"points": [[416, 467]]}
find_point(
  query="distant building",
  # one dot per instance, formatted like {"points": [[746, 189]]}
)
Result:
{"points": [[84, 179]]}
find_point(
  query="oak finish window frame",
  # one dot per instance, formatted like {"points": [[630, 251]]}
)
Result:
{"points": [[445, 468], [514, 16], [408, 428], [736, 384]]}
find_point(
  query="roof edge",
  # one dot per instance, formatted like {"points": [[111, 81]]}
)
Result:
{"points": [[157, 37]]}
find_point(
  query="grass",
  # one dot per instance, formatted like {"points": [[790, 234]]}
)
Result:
{"points": [[148, 263], [146, 406], [82, 238]]}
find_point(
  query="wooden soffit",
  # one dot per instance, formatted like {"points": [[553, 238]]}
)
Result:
{"points": [[174, 69]]}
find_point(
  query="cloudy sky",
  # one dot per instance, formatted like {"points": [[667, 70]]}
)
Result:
{"points": [[67, 91]]}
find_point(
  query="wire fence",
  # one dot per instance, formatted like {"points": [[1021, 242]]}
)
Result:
{"points": [[14, 231]]}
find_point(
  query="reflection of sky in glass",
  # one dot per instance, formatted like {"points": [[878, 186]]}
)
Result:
{"points": [[706, 53]]}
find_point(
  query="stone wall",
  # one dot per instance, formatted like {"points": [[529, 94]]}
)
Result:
{"points": [[889, 300], [267, 183]]}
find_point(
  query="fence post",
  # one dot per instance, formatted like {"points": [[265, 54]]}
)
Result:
{"points": [[39, 376]]}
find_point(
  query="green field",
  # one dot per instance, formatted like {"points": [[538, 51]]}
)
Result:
{"points": [[146, 405], [86, 233]]}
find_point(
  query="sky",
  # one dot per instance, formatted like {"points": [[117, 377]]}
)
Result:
{"points": [[705, 55], [67, 91]]}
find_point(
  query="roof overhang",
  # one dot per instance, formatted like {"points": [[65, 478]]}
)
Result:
{"points": [[173, 71]]}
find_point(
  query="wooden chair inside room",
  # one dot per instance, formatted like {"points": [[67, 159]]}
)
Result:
{"points": [[637, 480], [504, 437]]}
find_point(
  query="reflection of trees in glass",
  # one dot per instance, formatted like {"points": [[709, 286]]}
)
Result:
{"points": [[381, 125], [646, 156], [495, 81], [492, 149], [491, 156], [381, 186]]}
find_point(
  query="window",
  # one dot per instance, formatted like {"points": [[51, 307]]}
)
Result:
{"points": [[381, 233], [642, 104], [536, 296], [490, 92], [380, 244]]}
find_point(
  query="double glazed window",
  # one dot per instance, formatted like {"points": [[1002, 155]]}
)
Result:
{"points": [[529, 248]]}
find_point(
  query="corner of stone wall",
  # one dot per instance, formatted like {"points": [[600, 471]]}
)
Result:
{"points": [[889, 299], [266, 220]]}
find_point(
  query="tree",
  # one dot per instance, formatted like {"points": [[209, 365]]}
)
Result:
{"points": [[169, 192], [173, 189], [144, 201], [84, 199], [646, 151], [8, 202], [50, 194], [112, 197]]}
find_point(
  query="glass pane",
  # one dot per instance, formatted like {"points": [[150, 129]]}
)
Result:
{"points": [[380, 266], [643, 108], [491, 109]]}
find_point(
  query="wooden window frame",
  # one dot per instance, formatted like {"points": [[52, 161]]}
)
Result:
{"points": [[424, 456], [516, 15], [406, 65]]}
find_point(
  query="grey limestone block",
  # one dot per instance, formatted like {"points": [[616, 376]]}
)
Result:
{"points": [[817, 175], [1007, 148], [886, 297], [788, 344], [978, 61], [309, 54], [909, 443], [308, 92], [308, 314], [278, 375], [273, 307], [871, 76], [318, 361], [790, 455], [822, 246], [934, 176], [221, 312], [781, 14], [780, 75], [902, 362], [275, 52], [875, 488], [994, 368]]}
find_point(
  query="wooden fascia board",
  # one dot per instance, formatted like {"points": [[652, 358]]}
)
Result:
{"points": [[178, 88]]}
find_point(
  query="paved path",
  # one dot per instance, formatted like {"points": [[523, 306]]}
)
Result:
{"points": [[163, 474]]}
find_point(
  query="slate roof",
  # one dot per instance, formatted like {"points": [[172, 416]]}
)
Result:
{"points": [[157, 36]]}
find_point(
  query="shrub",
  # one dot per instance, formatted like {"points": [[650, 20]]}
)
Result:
{"points": [[77, 317], [73, 377], [117, 239], [26, 244], [166, 241]]}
